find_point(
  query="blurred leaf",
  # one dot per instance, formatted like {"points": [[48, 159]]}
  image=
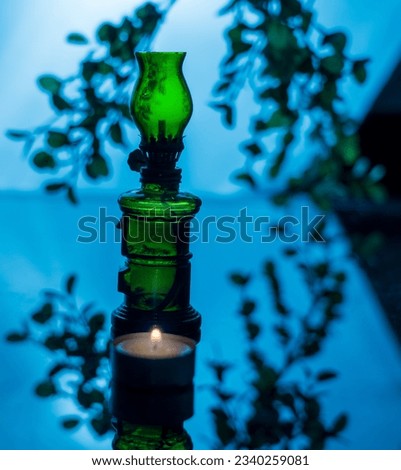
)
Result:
{"points": [[322, 270], [44, 160], [227, 113], [326, 375], [89, 68], [224, 430], [96, 396], [150, 16], [328, 95], [101, 425], [280, 119], [291, 8], [60, 103], [290, 252], [307, 17], [54, 342], [348, 147], [280, 36], [219, 369], [87, 399], [45, 389], [53, 187], [57, 139], [333, 64], [104, 69], [77, 38], [311, 347], [340, 424], [280, 199], [267, 379], [337, 40], [245, 177], [70, 423], [288, 400], [228, 7], [283, 333], [377, 193], [97, 167], [96, 322], [270, 273], [238, 45], [71, 195], [253, 330], [312, 408], [106, 32], [221, 87], [49, 83], [248, 307], [44, 314], [16, 337], [254, 149], [340, 277], [17, 135], [277, 119], [57, 368], [239, 279], [223, 396], [115, 133], [70, 284], [288, 138], [359, 70], [367, 246], [147, 11], [275, 169]]}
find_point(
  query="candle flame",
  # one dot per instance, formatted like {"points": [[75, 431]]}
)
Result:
{"points": [[155, 336]]}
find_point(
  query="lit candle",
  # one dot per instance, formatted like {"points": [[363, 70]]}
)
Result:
{"points": [[153, 377], [154, 345]]}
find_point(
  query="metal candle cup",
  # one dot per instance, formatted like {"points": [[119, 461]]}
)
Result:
{"points": [[153, 380]]}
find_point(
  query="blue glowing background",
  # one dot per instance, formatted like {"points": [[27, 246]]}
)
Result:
{"points": [[38, 233]]}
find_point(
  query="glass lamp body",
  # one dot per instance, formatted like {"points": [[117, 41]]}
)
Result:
{"points": [[155, 279]]}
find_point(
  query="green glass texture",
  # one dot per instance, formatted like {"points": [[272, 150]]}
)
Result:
{"points": [[140, 437], [161, 103], [155, 242]]}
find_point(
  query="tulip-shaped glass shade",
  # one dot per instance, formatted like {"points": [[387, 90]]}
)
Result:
{"points": [[161, 103]]}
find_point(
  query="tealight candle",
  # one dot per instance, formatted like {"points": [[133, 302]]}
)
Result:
{"points": [[153, 377], [156, 345]]}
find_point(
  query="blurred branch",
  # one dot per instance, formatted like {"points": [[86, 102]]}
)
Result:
{"points": [[78, 342], [90, 107], [296, 70]]}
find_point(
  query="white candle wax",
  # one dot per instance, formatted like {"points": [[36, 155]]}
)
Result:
{"points": [[154, 346]]}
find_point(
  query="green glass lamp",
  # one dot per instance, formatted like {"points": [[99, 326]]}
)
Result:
{"points": [[152, 383], [161, 104]]}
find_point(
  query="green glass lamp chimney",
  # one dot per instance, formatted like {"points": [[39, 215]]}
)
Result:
{"points": [[161, 104], [155, 280]]}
